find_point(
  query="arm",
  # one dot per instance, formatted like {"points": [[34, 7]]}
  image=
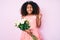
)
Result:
{"points": [[38, 20], [29, 30]]}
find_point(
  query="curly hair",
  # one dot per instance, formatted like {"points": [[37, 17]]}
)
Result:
{"points": [[34, 6]]}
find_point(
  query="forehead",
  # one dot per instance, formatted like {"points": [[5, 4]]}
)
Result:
{"points": [[29, 5]]}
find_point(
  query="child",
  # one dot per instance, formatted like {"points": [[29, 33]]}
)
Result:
{"points": [[30, 11]]}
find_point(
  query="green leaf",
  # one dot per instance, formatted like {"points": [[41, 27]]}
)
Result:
{"points": [[34, 37], [24, 26]]}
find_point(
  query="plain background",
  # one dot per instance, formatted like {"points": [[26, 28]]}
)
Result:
{"points": [[10, 12]]}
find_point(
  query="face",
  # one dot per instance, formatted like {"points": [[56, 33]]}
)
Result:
{"points": [[29, 9]]}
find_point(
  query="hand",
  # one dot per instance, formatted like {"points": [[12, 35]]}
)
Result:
{"points": [[29, 31]]}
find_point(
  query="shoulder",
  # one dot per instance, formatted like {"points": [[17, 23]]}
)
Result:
{"points": [[39, 15], [22, 17]]}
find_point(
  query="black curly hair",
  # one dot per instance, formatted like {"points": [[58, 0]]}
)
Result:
{"points": [[35, 7]]}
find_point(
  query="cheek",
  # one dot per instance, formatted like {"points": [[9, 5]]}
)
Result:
{"points": [[27, 9], [31, 9]]}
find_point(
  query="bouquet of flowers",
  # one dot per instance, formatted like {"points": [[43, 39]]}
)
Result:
{"points": [[24, 25]]}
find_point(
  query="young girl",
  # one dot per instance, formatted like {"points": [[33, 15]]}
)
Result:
{"points": [[30, 11]]}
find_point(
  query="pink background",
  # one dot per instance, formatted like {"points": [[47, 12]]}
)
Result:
{"points": [[9, 13]]}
